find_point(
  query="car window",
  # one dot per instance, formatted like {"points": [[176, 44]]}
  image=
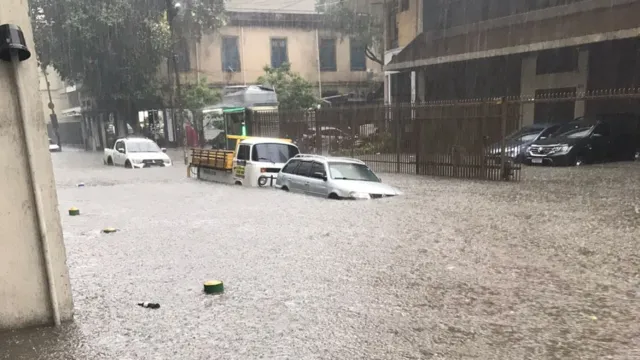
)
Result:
{"points": [[291, 166], [304, 169], [602, 129], [243, 152], [548, 131], [142, 146], [351, 171], [273, 152], [318, 168], [120, 145]]}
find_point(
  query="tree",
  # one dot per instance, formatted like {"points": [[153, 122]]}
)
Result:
{"points": [[294, 92], [114, 48], [197, 96], [363, 28]]}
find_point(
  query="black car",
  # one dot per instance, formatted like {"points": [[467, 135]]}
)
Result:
{"points": [[585, 140], [517, 143]]}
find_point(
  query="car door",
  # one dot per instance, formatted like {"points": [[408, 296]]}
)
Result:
{"points": [[317, 186], [299, 179], [120, 156], [240, 162], [601, 143], [287, 173]]}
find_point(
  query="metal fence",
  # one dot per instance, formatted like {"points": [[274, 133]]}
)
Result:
{"points": [[462, 139]]}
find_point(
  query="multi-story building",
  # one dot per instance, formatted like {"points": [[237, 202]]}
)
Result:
{"points": [[66, 103], [270, 33], [486, 48]]}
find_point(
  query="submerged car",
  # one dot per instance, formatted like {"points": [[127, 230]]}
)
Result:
{"points": [[135, 153], [584, 141], [516, 144], [333, 178]]}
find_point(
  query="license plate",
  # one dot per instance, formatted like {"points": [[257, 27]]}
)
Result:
{"points": [[536, 161]]}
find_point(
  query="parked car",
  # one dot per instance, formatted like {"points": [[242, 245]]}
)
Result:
{"points": [[53, 147], [332, 138], [516, 144], [588, 140], [333, 178], [136, 152]]}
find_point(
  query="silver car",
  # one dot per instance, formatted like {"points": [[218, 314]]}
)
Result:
{"points": [[333, 178]]}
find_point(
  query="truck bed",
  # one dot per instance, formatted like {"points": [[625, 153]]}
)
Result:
{"points": [[212, 158]]}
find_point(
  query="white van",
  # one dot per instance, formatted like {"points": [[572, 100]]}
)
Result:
{"points": [[259, 160]]}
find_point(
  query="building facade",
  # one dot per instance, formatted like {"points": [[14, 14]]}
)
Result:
{"points": [[487, 48], [260, 34]]}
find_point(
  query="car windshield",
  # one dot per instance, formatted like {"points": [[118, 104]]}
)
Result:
{"points": [[525, 134], [574, 130], [142, 146], [351, 171], [275, 153]]}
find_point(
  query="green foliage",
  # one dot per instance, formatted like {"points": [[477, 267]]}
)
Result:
{"points": [[342, 18], [199, 95], [294, 92], [114, 48]]}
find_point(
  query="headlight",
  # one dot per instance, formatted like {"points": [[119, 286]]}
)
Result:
{"points": [[562, 149], [359, 195]]}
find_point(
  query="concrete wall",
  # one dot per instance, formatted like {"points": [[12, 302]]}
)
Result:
{"points": [[530, 82], [24, 297], [255, 52]]}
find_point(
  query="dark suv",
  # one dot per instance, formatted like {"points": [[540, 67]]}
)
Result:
{"points": [[589, 140]]}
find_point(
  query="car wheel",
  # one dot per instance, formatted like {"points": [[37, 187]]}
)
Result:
{"points": [[110, 161], [334, 196], [285, 188], [636, 156], [127, 165]]}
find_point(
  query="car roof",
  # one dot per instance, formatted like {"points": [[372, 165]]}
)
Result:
{"points": [[136, 139], [311, 157], [257, 140]]}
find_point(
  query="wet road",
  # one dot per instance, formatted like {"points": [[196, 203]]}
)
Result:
{"points": [[548, 268]]}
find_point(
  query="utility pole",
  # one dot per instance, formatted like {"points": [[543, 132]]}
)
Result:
{"points": [[53, 116], [172, 11]]}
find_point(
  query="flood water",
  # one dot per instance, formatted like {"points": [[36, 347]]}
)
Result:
{"points": [[545, 268]]}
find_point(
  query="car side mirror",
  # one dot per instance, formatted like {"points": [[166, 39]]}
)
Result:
{"points": [[319, 175], [164, 150]]}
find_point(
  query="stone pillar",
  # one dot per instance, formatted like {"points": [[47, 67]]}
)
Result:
{"points": [[30, 221]]}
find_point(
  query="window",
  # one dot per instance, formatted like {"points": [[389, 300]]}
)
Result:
{"points": [[120, 146], [304, 169], [328, 55], [404, 5], [557, 61], [279, 54], [602, 130], [230, 54], [275, 153], [243, 152], [318, 168], [358, 59], [291, 166], [143, 147], [351, 171]]}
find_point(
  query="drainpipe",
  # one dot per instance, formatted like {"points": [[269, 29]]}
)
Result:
{"points": [[244, 75], [318, 62]]}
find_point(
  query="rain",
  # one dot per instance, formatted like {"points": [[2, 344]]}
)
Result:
{"points": [[511, 128]]}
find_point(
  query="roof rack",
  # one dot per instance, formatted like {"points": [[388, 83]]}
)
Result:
{"points": [[311, 156]]}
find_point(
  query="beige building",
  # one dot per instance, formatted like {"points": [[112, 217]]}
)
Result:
{"points": [[262, 34]]}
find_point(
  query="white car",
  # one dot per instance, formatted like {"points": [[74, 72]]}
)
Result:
{"points": [[333, 178], [53, 147], [135, 153]]}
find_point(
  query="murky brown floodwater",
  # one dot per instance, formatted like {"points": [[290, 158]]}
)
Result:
{"points": [[544, 269]]}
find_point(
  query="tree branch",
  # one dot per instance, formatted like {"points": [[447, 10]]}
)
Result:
{"points": [[368, 53]]}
